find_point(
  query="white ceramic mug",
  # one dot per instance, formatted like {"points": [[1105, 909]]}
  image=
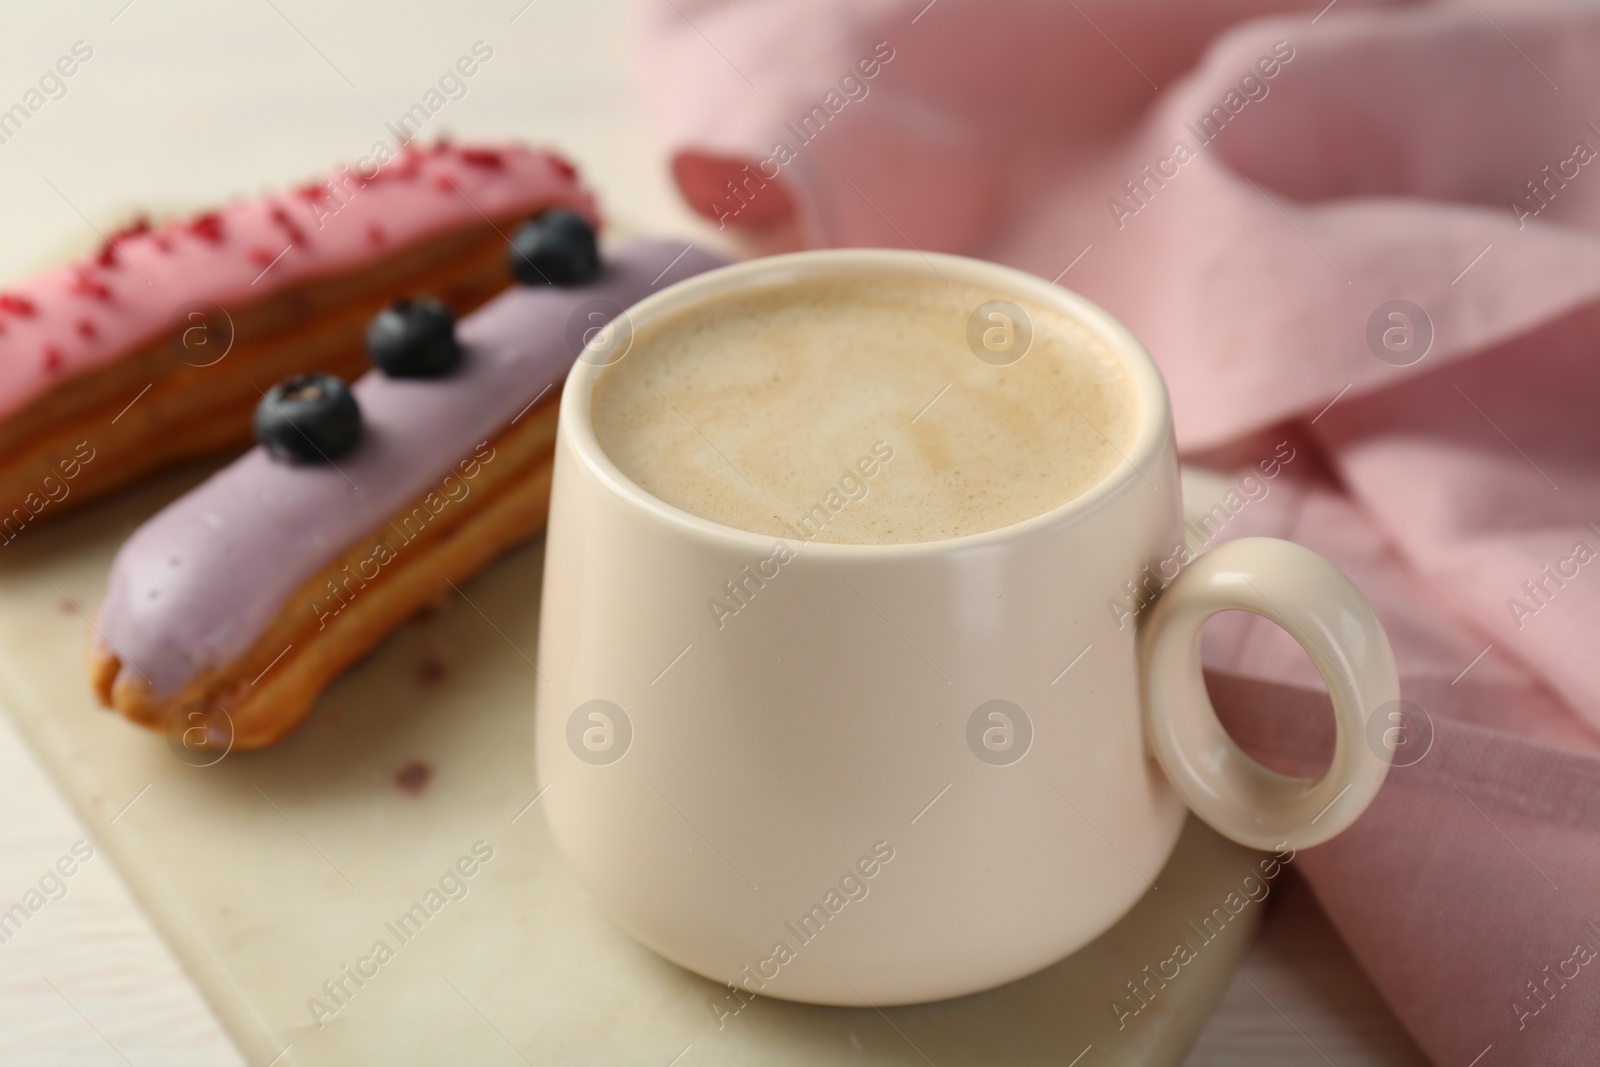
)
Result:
{"points": [[904, 772]]}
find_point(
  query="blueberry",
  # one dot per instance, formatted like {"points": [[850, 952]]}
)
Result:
{"points": [[309, 418], [414, 339], [555, 248]]}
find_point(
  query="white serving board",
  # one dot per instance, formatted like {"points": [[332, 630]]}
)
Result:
{"points": [[268, 872]]}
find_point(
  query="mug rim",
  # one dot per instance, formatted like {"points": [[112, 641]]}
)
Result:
{"points": [[576, 427]]}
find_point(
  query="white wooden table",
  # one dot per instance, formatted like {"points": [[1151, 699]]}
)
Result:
{"points": [[183, 103]]}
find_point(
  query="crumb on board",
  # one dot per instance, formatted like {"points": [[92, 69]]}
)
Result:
{"points": [[414, 777], [432, 669]]}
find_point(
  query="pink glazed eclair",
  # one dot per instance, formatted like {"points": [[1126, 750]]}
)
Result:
{"points": [[244, 598], [157, 348]]}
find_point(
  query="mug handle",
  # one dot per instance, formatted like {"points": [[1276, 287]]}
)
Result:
{"points": [[1332, 621]]}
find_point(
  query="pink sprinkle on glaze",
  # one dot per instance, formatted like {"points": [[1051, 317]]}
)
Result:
{"points": [[312, 192], [443, 183], [207, 227], [261, 256], [411, 158], [52, 358], [86, 329], [107, 256], [486, 158], [563, 168], [84, 285], [20, 306], [375, 234], [140, 225], [295, 234]]}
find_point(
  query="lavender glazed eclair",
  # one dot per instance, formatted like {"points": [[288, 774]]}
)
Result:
{"points": [[253, 591]]}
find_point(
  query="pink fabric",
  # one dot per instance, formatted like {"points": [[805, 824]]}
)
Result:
{"points": [[1388, 156]]}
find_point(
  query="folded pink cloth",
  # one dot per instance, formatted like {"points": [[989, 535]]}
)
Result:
{"points": [[1372, 230]]}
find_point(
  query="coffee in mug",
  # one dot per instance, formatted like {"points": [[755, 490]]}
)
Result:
{"points": [[752, 409]]}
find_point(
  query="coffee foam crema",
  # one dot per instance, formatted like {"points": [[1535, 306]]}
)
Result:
{"points": [[854, 410]]}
